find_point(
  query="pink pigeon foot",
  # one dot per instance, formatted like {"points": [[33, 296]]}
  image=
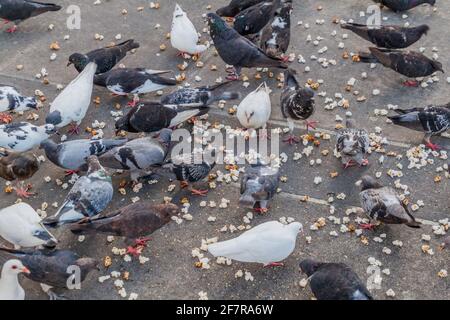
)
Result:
{"points": [[12, 29], [142, 242], [22, 192], [261, 211], [274, 264], [350, 163], [291, 139], [367, 226], [75, 129], [311, 124], [71, 172], [433, 146], [201, 193], [411, 83]]}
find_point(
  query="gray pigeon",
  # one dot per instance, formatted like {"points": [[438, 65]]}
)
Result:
{"points": [[105, 58], [12, 100], [89, 196], [236, 50], [53, 268], [383, 204], [276, 35], [72, 155], [236, 6], [258, 186], [125, 81], [334, 281], [389, 37], [403, 5], [18, 166], [133, 222], [138, 155], [203, 95], [253, 19], [24, 136], [408, 63], [17, 11], [296, 104], [353, 144], [433, 120]]}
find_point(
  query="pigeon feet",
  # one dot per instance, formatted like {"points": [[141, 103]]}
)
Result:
{"points": [[184, 184], [232, 77], [365, 162], [350, 163], [22, 192], [135, 251], [54, 297], [411, 83], [12, 29], [274, 264], [291, 139], [285, 59], [142, 242], [433, 146], [311, 124], [261, 211], [367, 226], [71, 172], [201, 193], [74, 129], [5, 118]]}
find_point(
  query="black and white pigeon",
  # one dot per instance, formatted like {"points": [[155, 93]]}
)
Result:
{"points": [[408, 63], [24, 136], [105, 58], [18, 166], [72, 104], [125, 81], [296, 104], [258, 186], [205, 95], [17, 11], [152, 117], [134, 222], [403, 5], [53, 268], [72, 155], [334, 281], [238, 51], [137, 156], [189, 168], [236, 6], [12, 101], [383, 204], [253, 19], [276, 35], [89, 196], [353, 144], [433, 120], [389, 37]]}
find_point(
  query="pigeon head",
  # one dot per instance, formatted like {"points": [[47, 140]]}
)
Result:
{"points": [[309, 266], [79, 60], [28, 103], [123, 124], [178, 13], [296, 227], [87, 264], [437, 66], [49, 128], [247, 201], [165, 136], [368, 182], [168, 210], [25, 167], [14, 267], [423, 29], [54, 118], [216, 24]]}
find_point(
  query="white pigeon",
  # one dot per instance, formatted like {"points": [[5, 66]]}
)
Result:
{"points": [[71, 105], [267, 243], [10, 288], [254, 111], [22, 226], [184, 36], [24, 136], [11, 100]]}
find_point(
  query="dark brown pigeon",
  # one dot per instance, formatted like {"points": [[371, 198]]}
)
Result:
{"points": [[403, 5], [334, 281]]}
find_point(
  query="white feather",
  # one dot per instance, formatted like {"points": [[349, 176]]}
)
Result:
{"points": [[24, 138], [10, 288], [254, 111]]}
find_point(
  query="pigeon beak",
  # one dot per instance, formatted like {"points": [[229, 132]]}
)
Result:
{"points": [[25, 270], [69, 64]]}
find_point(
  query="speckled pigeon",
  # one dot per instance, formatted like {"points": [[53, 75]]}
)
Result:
{"points": [[353, 144], [11, 100], [24, 136], [404, 5], [334, 281]]}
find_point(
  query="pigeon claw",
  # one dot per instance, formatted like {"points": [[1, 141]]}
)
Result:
{"points": [[12, 29], [232, 77], [23, 192], [411, 83], [201, 193], [141, 242], [433, 146], [274, 264], [367, 226], [74, 129], [311, 124], [350, 163], [5, 118], [261, 211], [71, 172], [285, 59], [135, 251], [291, 139]]}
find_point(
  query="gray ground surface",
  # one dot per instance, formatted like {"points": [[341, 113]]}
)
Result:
{"points": [[170, 273]]}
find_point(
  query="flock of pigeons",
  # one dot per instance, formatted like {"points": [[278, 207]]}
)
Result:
{"points": [[259, 38]]}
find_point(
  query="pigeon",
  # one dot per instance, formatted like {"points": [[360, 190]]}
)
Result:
{"points": [[17, 11], [139, 155], [19, 166], [53, 268], [268, 243], [71, 105], [408, 63], [125, 81], [203, 95], [389, 37], [334, 281], [258, 186], [276, 35], [237, 6], [383, 204], [433, 120], [353, 144], [11, 100], [403, 5], [236, 50], [24, 136], [183, 35], [105, 58], [89, 196], [134, 222], [72, 155], [190, 168], [10, 288], [152, 116], [253, 19], [254, 111], [22, 226], [296, 104]]}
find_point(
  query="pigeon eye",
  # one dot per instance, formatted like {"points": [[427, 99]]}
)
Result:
{"points": [[14, 267]]}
